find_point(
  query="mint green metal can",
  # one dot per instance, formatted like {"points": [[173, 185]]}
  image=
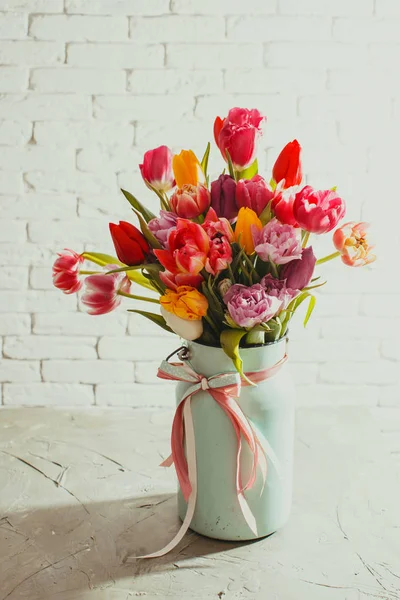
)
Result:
{"points": [[270, 409]]}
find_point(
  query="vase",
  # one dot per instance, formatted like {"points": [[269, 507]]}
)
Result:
{"points": [[269, 407]]}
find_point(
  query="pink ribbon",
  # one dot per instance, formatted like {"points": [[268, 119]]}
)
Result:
{"points": [[224, 388]]}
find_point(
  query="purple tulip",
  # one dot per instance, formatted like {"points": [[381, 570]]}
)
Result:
{"points": [[277, 287], [249, 306], [298, 273], [161, 226], [223, 197]]}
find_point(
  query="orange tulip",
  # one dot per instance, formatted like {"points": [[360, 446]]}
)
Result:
{"points": [[186, 303], [247, 219], [187, 169]]}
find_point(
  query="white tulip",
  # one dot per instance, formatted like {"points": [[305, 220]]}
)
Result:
{"points": [[188, 330]]}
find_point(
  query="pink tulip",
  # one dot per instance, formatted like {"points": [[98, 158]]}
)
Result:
{"points": [[282, 205], [277, 243], [66, 272], [156, 169], [238, 134], [253, 193], [175, 280], [188, 246], [102, 291], [190, 201], [217, 227], [318, 211]]}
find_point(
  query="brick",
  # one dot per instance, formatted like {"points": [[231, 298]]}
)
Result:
{"points": [[34, 206], [391, 349], [174, 28], [46, 347], [71, 182], [386, 304], [387, 8], [13, 26], [136, 348], [116, 56], [78, 28], [33, 6], [10, 183], [316, 55], [321, 351], [223, 7], [71, 233], [375, 373], [25, 255], [389, 396], [84, 134], [280, 28], [36, 301], [270, 81], [32, 157], [303, 373], [13, 79], [87, 371], [146, 372], [136, 395], [366, 30], [113, 159], [14, 324], [139, 325], [48, 394], [179, 134], [40, 278], [341, 107], [83, 81], [77, 324], [13, 278], [322, 395], [117, 7], [12, 231], [44, 106], [134, 108], [213, 56], [100, 206], [359, 328], [347, 81], [174, 81], [15, 133], [31, 53], [20, 371], [326, 7], [383, 55]]}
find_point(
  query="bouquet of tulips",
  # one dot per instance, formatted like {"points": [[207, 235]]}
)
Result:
{"points": [[230, 261]]}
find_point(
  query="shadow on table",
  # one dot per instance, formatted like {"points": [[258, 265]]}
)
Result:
{"points": [[57, 552]]}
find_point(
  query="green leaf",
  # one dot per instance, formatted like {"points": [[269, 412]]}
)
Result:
{"points": [[230, 340], [105, 259], [313, 287], [249, 172], [275, 330], [157, 319], [151, 239], [147, 214], [266, 215], [272, 184], [101, 259], [204, 160], [310, 309], [230, 165]]}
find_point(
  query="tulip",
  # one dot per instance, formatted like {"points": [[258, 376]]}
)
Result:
{"points": [[156, 169], [187, 169], [215, 227], [247, 219], [278, 288], [277, 243], [288, 165], [190, 201], [187, 330], [186, 302], [238, 134], [188, 248], [161, 226], [351, 241], [298, 273], [250, 306], [282, 205], [66, 272], [318, 211], [102, 293], [174, 280], [253, 193], [219, 256], [223, 197], [130, 245]]}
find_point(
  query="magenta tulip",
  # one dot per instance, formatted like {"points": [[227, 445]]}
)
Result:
{"points": [[238, 134], [156, 169], [253, 193], [318, 211]]}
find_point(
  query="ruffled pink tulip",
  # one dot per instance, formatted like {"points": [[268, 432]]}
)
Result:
{"points": [[277, 243], [318, 211], [238, 134], [161, 226], [253, 193], [190, 201], [278, 288], [219, 256], [66, 271], [215, 227], [102, 291], [156, 169], [352, 243]]}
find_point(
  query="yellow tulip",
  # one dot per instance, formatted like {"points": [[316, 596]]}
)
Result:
{"points": [[187, 303], [187, 169], [243, 234]]}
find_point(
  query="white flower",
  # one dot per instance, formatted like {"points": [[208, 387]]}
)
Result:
{"points": [[188, 330]]}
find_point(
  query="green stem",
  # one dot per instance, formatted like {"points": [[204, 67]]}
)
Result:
{"points": [[274, 269], [212, 325], [231, 275], [320, 261], [255, 337], [245, 271], [138, 297], [305, 239], [90, 272]]}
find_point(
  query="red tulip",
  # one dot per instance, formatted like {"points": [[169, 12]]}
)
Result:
{"points": [[238, 134], [282, 205], [102, 291], [253, 193], [130, 245], [220, 255], [188, 248], [156, 169], [288, 165], [66, 271], [190, 201], [215, 227], [318, 211]]}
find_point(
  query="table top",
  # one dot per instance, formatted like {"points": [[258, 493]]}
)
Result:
{"points": [[81, 490]]}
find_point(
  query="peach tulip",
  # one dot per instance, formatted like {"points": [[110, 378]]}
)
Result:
{"points": [[351, 241]]}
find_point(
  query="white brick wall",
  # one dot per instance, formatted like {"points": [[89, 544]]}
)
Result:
{"points": [[88, 85]]}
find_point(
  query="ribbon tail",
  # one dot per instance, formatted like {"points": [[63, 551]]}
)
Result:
{"points": [[247, 514], [192, 470], [168, 462]]}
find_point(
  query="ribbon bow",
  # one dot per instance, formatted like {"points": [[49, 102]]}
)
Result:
{"points": [[224, 388]]}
